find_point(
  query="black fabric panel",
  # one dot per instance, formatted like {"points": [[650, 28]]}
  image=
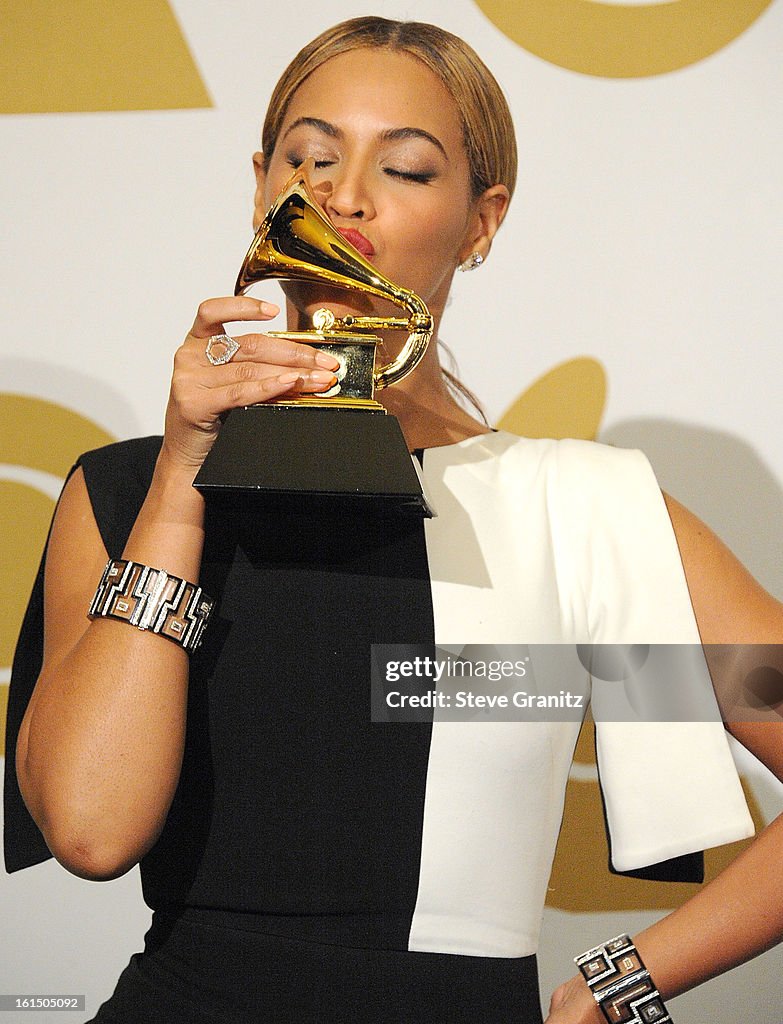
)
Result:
{"points": [[196, 971], [687, 868], [118, 478], [23, 844], [291, 800]]}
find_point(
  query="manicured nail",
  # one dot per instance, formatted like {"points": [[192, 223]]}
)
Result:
{"points": [[326, 360], [322, 377], [268, 307], [289, 378]]}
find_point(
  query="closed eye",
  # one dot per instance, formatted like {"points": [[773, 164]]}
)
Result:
{"points": [[295, 161], [421, 177]]}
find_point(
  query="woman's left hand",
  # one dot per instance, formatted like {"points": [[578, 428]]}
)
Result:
{"points": [[573, 1003]]}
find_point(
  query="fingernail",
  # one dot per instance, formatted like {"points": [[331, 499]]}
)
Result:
{"points": [[326, 360], [322, 377], [289, 378], [268, 307]]}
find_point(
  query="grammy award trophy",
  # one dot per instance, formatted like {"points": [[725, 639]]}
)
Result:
{"points": [[338, 447]]}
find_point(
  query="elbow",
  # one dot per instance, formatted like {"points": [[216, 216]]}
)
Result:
{"points": [[95, 838], [76, 842], [90, 860], [96, 854]]}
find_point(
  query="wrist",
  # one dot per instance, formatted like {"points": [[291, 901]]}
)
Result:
{"points": [[586, 1008], [573, 1003], [172, 491], [169, 531]]}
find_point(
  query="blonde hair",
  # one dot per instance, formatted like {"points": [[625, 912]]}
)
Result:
{"points": [[487, 128]]}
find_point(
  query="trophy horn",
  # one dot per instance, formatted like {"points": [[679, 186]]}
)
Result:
{"points": [[298, 242]]}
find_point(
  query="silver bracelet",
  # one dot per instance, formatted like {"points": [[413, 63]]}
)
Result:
{"points": [[152, 599], [621, 984]]}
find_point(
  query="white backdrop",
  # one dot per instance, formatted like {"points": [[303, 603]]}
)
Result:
{"points": [[645, 233]]}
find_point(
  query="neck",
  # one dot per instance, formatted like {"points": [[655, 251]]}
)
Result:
{"points": [[426, 409]]}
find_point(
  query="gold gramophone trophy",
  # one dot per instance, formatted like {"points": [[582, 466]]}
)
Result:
{"points": [[338, 447]]}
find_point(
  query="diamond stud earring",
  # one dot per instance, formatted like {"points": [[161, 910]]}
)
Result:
{"points": [[472, 262]]}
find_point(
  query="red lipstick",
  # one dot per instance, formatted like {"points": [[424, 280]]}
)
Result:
{"points": [[358, 241]]}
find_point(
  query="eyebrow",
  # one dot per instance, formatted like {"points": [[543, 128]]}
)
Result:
{"points": [[394, 134], [316, 122], [391, 135]]}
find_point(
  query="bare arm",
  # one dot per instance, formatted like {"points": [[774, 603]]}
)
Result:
{"points": [[100, 747], [740, 913]]}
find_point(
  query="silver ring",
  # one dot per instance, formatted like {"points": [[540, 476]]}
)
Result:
{"points": [[221, 348]]}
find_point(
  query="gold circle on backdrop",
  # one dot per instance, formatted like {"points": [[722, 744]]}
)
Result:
{"points": [[623, 40], [24, 519], [45, 437], [567, 401]]}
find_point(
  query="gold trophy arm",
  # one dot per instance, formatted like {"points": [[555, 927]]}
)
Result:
{"points": [[419, 325], [420, 331], [406, 362]]}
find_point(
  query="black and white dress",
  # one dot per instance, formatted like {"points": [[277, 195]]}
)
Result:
{"points": [[317, 866]]}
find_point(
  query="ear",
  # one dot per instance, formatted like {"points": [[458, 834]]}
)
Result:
{"points": [[259, 202], [486, 217]]}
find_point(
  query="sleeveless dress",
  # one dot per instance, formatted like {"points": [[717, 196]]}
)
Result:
{"points": [[317, 866]]}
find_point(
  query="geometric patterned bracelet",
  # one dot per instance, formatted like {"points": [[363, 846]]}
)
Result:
{"points": [[621, 984], [152, 599]]}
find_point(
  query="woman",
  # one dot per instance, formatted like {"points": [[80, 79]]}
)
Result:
{"points": [[303, 864]]}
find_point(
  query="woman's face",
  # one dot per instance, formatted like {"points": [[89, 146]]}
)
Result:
{"points": [[391, 172]]}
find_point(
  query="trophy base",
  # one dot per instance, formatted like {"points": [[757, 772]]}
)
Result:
{"points": [[282, 456]]}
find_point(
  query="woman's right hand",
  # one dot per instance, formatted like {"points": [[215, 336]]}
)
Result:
{"points": [[263, 369]]}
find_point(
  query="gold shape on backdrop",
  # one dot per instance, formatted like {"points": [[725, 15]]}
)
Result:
{"points": [[581, 881], [89, 55], [25, 514], [623, 40], [42, 436], [3, 708], [567, 401]]}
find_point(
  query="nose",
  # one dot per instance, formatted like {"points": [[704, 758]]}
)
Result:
{"points": [[344, 192]]}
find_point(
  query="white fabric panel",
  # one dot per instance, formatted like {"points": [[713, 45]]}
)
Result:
{"points": [[546, 542], [659, 798], [662, 800], [493, 807]]}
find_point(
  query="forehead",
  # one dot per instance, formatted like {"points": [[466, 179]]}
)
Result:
{"points": [[376, 89]]}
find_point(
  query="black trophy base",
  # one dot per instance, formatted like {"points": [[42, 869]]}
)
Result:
{"points": [[307, 458]]}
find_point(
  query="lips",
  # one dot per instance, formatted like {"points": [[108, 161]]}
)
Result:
{"points": [[358, 241]]}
